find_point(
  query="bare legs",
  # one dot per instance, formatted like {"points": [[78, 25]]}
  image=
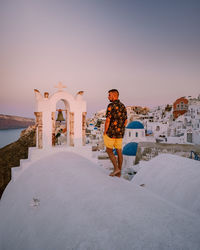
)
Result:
{"points": [[117, 165], [120, 160]]}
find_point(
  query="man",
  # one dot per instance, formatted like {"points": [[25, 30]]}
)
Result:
{"points": [[116, 120]]}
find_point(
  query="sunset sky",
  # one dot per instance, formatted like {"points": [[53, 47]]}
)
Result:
{"points": [[148, 50]]}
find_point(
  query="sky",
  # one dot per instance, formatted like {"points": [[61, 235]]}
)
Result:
{"points": [[148, 50]]}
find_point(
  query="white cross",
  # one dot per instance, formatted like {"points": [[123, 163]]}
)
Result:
{"points": [[60, 86]]}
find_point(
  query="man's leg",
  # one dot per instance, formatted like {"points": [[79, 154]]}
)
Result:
{"points": [[113, 160], [120, 160]]}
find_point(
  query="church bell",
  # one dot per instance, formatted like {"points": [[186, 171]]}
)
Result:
{"points": [[60, 117]]}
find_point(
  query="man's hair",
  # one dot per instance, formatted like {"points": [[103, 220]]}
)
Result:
{"points": [[114, 90]]}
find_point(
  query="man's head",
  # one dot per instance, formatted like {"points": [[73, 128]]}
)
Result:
{"points": [[113, 95]]}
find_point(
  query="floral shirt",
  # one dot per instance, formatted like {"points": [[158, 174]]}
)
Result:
{"points": [[117, 113]]}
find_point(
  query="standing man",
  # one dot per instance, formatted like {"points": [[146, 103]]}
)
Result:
{"points": [[116, 120]]}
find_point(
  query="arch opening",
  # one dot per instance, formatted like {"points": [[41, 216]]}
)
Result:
{"points": [[61, 127]]}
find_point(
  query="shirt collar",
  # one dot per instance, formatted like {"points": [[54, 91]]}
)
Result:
{"points": [[116, 101]]}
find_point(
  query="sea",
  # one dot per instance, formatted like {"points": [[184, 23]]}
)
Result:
{"points": [[8, 136]]}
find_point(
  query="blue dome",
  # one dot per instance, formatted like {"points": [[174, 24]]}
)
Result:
{"points": [[135, 125], [130, 149]]}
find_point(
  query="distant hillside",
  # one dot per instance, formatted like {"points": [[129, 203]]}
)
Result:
{"points": [[11, 154], [11, 122]]}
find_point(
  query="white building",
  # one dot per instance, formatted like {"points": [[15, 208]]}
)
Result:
{"points": [[45, 110], [158, 128], [186, 128], [134, 132]]}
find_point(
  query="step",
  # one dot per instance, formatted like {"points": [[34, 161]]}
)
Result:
{"points": [[15, 172], [23, 162]]}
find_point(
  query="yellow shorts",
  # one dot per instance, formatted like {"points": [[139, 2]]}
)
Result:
{"points": [[112, 142]]}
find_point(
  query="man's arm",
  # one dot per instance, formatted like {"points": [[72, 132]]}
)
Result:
{"points": [[125, 123], [106, 125]]}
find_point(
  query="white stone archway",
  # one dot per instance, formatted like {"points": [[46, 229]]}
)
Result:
{"points": [[45, 110]]}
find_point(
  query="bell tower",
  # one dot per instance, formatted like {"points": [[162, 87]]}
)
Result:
{"points": [[75, 115]]}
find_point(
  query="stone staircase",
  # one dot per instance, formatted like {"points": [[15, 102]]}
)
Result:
{"points": [[35, 154]]}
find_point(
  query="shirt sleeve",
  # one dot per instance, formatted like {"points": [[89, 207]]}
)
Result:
{"points": [[125, 114], [108, 111]]}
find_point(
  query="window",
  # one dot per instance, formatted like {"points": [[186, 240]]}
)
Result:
{"points": [[157, 128], [136, 134], [129, 133]]}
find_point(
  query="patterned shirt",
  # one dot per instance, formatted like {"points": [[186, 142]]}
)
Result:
{"points": [[117, 113]]}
